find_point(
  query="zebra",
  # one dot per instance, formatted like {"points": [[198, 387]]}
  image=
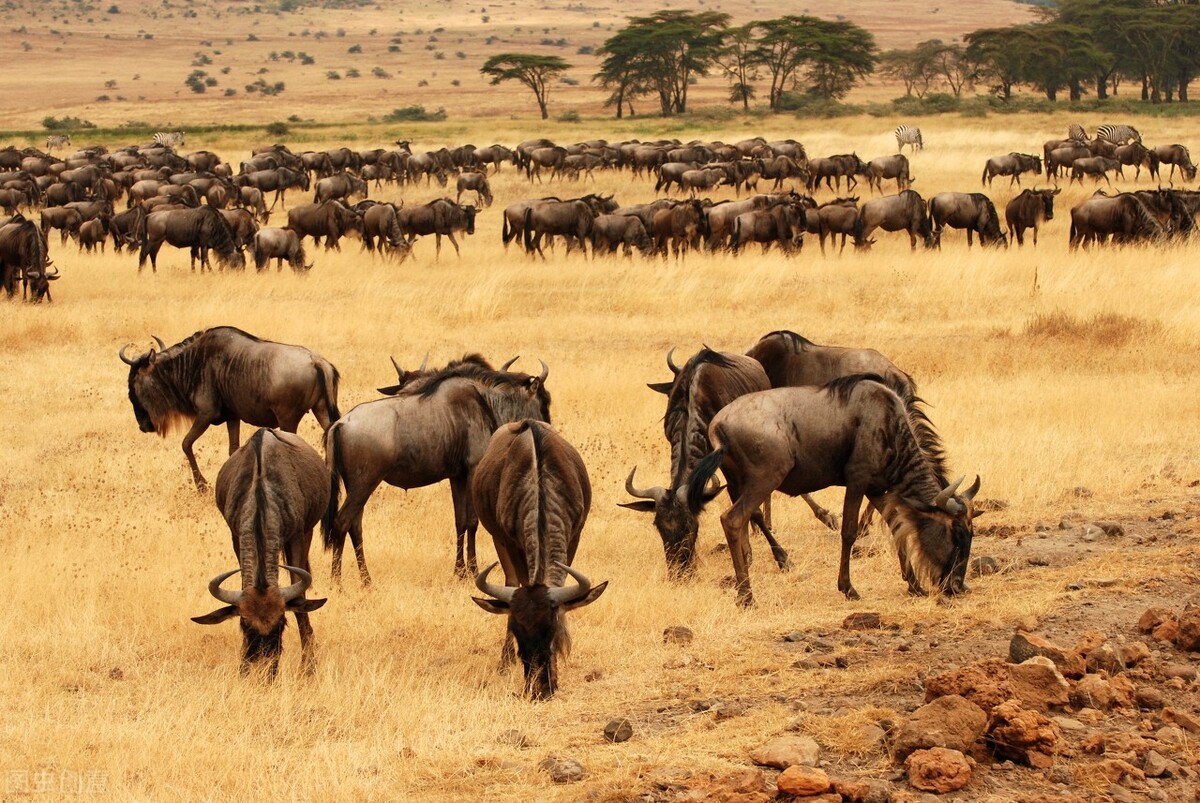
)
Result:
{"points": [[57, 141], [169, 139], [909, 135], [1118, 134], [1076, 133]]}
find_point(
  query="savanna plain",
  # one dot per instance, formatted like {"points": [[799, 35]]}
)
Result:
{"points": [[1066, 380]]}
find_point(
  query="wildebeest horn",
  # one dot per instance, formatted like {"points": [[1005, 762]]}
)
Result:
{"points": [[424, 362], [656, 493], [502, 593], [564, 595], [396, 365], [508, 364], [161, 345], [675, 369], [945, 499], [125, 359], [545, 372], [225, 595], [974, 489], [296, 589]]}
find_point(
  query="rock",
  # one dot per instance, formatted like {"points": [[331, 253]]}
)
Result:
{"points": [[1089, 642], [1189, 631], [794, 636], [870, 736], [1024, 646], [1155, 765], [513, 738], [1104, 659], [1096, 691], [1119, 794], [881, 791], [1023, 735], [852, 791], [619, 730], [951, 721], [787, 751], [1039, 684], [1133, 653], [1114, 769], [1168, 631], [984, 683], [1189, 722], [1037, 560], [938, 770], [1184, 671], [678, 634], [1069, 724], [1090, 533], [1153, 617], [562, 770], [1111, 528], [1172, 735], [984, 565], [802, 781], [863, 620], [1060, 774], [1149, 698]]}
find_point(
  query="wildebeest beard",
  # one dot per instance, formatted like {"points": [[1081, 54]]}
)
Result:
{"points": [[157, 403], [934, 547], [259, 647], [536, 623]]}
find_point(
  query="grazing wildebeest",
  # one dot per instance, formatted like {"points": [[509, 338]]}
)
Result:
{"points": [[494, 155], [127, 228], [63, 218], [853, 432], [1028, 211], [781, 223], [780, 168], [719, 217], [839, 216], [224, 375], [24, 258], [972, 211], [380, 222], [1064, 157], [902, 212], [672, 173], [1138, 155], [513, 225], [1176, 156], [432, 430], [277, 180], [279, 244], [271, 492], [339, 185], [12, 199], [572, 220], [330, 219], [645, 212], [1012, 165], [531, 492], [197, 229], [252, 198], [1124, 217], [683, 226], [833, 168], [93, 233], [553, 157], [610, 231], [885, 167], [1097, 167], [440, 217], [478, 183], [703, 179], [242, 224], [704, 385]]}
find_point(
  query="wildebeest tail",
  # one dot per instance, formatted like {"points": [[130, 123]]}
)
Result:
{"points": [[858, 229], [260, 505], [701, 474], [328, 377], [506, 234], [335, 485], [983, 178], [527, 237]]}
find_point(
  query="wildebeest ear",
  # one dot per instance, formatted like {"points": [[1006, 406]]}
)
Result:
{"points": [[641, 505], [305, 605], [390, 390], [661, 387], [533, 384], [491, 605], [917, 504], [712, 493], [217, 616], [591, 597]]}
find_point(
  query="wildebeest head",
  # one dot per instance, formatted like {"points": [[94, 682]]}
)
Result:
{"points": [[676, 517], [935, 537], [153, 405], [535, 621], [39, 282], [261, 608], [469, 212]]}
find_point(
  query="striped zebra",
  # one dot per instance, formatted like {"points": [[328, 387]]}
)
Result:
{"points": [[57, 141], [1118, 134], [909, 135], [169, 139], [1076, 133]]}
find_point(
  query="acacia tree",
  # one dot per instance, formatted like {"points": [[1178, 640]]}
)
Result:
{"points": [[736, 58], [833, 54], [952, 63], [916, 67], [530, 69], [620, 72], [998, 52]]}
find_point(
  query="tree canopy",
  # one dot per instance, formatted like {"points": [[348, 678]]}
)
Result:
{"points": [[530, 69]]}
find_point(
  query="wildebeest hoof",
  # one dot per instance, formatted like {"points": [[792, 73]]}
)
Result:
{"points": [[851, 593], [745, 600], [831, 521], [916, 591]]}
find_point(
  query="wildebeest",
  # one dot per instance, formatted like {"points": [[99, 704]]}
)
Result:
{"points": [[611, 231], [277, 180], [1097, 167], [972, 211], [1012, 165], [833, 168], [531, 492], [13, 199], [381, 224], [1028, 211], [1138, 155], [252, 198], [1123, 217], [330, 219], [478, 183], [24, 258], [93, 233], [242, 224], [431, 430], [127, 228], [1170, 209], [885, 167], [513, 222], [701, 179], [902, 212], [339, 185], [224, 375], [683, 225], [1064, 157], [553, 157], [63, 218], [280, 245], [1176, 156], [781, 223], [854, 432], [440, 217], [780, 168], [572, 220], [197, 229], [271, 492], [839, 216], [672, 173], [494, 155]]}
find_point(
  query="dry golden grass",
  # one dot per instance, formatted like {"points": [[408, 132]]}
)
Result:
{"points": [[1045, 370]]}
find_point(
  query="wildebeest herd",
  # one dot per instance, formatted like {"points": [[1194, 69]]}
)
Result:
{"points": [[788, 415], [197, 201]]}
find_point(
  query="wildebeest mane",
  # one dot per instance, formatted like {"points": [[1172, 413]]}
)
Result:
{"points": [[687, 418], [496, 390], [795, 342], [843, 386]]}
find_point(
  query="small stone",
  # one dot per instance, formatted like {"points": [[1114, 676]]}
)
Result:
{"points": [[787, 751], [938, 770], [1119, 794], [823, 644], [1090, 533], [1037, 560], [862, 620], [1060, 774], [950, 721], [1039, 684], [1189, 722], [1115, 769], [1133, 653], [852, 791], [513, 738], [1041, 527], [1153, 617], [802, 781], [619, 730], [1066, 524], [1168, 631], [1019, 734], [1189, 631], [1184, 671], [593, 676], [1069, 724], [678, 634], [1155, 765], [1104, 659], [1024, 646], [793, 637], [881, 791], [1103, 693], [1149, 698], [984, 565], [562, 770], [1111, 528], [1172, 735]]}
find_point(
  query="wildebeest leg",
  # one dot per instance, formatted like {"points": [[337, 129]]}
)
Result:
{"points": [[233, 426], [969, 243], [460, 489], [1035, 231], [198, 427], [823, 515], [356, 541], [296, 554], [453, 242], [761, 519], [850, 508]]}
